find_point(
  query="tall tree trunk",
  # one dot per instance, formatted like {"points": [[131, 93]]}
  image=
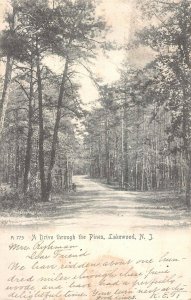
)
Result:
{"points": [[28, 154], [186, 117], [125, 146], [142, 169], [17, 164], [188, 183], [122, 149], [41, 129], [17, 152], [8, 75], [187, 156], [136, 182], [107, 150], [99, 158], [55, 133], [5, 94], [186, 141], [66, 181]]}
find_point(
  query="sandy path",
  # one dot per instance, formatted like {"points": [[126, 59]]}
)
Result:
{"points": [[94, 205]]}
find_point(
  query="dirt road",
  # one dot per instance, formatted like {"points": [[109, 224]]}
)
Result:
{"points": [[95, 204]]}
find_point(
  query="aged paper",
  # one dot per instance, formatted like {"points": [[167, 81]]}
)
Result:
{"points": [[116, 222]]}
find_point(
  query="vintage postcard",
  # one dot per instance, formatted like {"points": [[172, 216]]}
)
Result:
{"points": [[95, 149]]}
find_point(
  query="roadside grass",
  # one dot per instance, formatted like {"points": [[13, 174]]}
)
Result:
{"points": [[14, 203]]}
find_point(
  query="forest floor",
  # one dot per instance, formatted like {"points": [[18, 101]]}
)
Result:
{"points": [[96, 204]]}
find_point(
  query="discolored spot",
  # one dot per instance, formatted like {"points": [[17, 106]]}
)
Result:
{"points": [[111, 278]]}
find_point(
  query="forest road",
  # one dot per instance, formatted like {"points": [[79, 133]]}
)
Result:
{"points": [[96, 205]]}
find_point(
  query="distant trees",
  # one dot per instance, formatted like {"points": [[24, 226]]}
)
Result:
{"points": [[171, 41], [147, 121]]}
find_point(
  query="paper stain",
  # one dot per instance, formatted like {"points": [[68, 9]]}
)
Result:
{"points": [[118, 277]]}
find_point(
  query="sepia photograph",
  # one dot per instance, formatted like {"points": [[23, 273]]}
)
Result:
{"points": [[95, 149], [95, 112]]}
